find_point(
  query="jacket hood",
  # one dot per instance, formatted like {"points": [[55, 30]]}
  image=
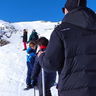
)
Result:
{"points": [[82, 17]]}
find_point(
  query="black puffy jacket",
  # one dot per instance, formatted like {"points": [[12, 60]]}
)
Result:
{"points": [[72, 49]]}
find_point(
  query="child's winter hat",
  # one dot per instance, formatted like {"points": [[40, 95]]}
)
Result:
{"points": [[72, 4]]}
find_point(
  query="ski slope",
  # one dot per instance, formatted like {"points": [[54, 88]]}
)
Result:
{"points": [[13, 60]]}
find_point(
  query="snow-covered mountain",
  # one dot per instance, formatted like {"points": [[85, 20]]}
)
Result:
{"points": [[13, 59], [6, 29], [42, 27]]}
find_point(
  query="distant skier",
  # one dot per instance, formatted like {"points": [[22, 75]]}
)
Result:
{"points": [[49, 76], [31, 54], [25, 39], [34, 36]]}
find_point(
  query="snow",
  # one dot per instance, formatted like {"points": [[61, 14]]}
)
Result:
{"points": [[43, 28], [2, 21], [13, 60]]}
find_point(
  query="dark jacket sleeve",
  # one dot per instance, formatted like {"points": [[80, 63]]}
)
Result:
{"points": [[53, 59], [30, 38]]}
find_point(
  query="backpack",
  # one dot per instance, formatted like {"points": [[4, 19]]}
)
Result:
{"points": [[34, 35]]}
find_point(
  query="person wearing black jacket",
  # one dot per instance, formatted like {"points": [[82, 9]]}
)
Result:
{"points": [[49, 77], [72, 50], [25, 38]]}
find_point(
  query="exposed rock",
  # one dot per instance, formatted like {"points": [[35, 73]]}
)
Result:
{"points": [[3, 42]]}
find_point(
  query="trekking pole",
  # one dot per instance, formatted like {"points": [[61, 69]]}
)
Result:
{"points": [[43, 82], [34, 92]]}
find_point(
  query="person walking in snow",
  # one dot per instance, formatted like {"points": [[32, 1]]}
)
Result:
{"points": [[49, 77], [25, 38], [33, 36], [31, 54], [72, 50]]}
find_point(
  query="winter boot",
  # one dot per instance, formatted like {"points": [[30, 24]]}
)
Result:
{"points": [[24, 49], [28, 87]]}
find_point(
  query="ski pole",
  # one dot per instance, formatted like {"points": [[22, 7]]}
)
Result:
{"points": [[43, 82], [34, 92]]}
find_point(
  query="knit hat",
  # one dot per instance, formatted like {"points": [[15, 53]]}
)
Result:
{"points": [[72, 4]]}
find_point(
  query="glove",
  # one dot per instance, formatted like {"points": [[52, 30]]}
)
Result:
{"points": [[34, 83]]}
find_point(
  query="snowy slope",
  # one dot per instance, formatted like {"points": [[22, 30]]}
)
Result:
{"points": [[13, 60], [42, 27]]}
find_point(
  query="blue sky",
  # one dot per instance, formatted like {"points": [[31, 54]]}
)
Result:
{"points": [[33, 10]]}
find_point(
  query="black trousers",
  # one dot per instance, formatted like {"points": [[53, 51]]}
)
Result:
{"points": [[47, 92]]}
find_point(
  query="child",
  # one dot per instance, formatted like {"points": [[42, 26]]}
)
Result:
{"points": [[49, 76], [31, 54], [25, 39]]}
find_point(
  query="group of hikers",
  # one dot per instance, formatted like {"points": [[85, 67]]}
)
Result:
{"points": [[71, 51], [33, 37], [34, 69]]}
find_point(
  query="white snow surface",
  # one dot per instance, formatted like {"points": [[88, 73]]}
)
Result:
{"points": [[13, 60]]}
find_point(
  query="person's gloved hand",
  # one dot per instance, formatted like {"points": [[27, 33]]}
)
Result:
{"points": [[40, 52], [27, 42]]}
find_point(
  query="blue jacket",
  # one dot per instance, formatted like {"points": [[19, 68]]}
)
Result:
{"points": [[31, 54]]}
